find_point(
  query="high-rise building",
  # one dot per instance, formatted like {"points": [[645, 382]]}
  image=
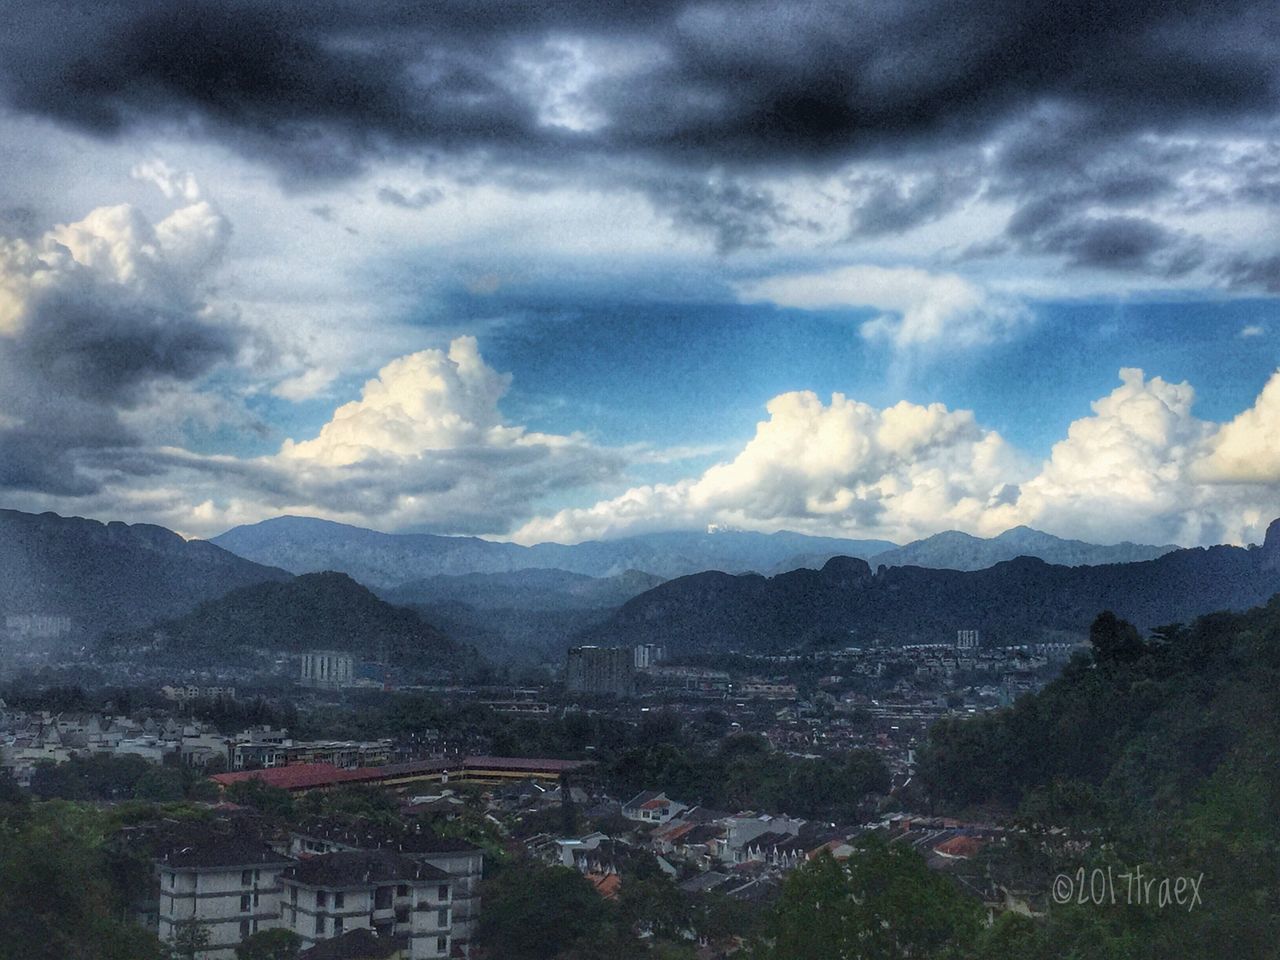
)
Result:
{"points": [[327, 668], [967, 640], [601, 670], [649, 654]]}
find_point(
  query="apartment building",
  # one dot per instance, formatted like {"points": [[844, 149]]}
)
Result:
{"points": [[462, 862], [230, 886], [401, 900]]}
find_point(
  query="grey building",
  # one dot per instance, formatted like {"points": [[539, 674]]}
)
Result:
{"points": [[607, 671]]}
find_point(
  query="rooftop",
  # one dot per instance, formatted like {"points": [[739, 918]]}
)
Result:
{"points": [[222, 852], [358, 868]]}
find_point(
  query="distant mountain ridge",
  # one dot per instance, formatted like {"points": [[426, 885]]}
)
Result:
{"points": [[111, 575], [953, 550], [387, 560], [384, 560], [1015, 601]]}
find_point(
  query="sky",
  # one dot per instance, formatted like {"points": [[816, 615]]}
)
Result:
{"points": [[588, 269]]}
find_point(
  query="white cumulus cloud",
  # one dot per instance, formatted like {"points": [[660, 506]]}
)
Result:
{"points": [[1142, 466]]}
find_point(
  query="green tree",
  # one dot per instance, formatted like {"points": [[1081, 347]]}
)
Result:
{"points": [[883, 904], [56, 899], [190, 937], [532, 912], [270, 945]]}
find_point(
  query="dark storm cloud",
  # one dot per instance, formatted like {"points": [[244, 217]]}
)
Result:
{"points": [[413, 200], [893, 204], [682, 90], [321, 85], [1254, 272]]}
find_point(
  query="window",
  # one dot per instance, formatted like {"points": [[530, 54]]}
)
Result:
{"points": [[442, 917], [320, 926], [256, 874], [443, 892], [246, 878], [339, 899], [255, 898], [322, 898], [402, 890], [442, 944], [402, 914], [338, 924], [244, 929], [293, 895], [382, 898], [244, 903]]}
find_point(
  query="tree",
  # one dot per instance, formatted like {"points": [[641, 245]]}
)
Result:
{"points": [[190, 938], [1114, 640], [532, 912], [56, 899], [883, 904], [270, 945]]}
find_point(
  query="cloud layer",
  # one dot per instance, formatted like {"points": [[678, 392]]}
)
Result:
{"points": [[1141, 467], [1100, 124]]}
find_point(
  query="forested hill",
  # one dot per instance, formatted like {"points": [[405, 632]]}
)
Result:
{"points": [[111, 575], [315, 611], [1157, 751], [846, 603]]}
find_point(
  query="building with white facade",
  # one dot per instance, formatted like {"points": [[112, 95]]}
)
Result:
{"points": [[230, 886], [399, 899], [327, 668]]}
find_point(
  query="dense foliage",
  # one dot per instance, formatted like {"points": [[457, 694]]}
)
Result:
{"points": [[64, 894], [104, 776], [1160, 752]]}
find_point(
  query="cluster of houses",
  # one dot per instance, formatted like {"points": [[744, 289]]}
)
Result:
{"points": [[27, 739], [746, 855]]}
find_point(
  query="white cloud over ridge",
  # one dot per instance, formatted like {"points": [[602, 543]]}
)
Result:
{"points": [[1141, 467], [919, 308]]}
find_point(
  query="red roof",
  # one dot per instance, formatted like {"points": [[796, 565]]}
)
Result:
{"points": [[960, 847], [296, 776], [305, 776], [523, 763]]}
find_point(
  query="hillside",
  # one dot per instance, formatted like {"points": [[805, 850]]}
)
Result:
{"points": [[1016, 601], [533, 589], [385, 560], [328, 611], [111, 576]]}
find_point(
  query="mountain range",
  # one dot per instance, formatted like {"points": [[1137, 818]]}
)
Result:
{"points": [[1015, 601], [111, 575], [953, 550], [386, 560]]}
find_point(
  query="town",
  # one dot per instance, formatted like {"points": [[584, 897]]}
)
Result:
{"points": [[402, 875]]}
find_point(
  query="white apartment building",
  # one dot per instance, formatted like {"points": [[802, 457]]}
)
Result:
{"points": [[230, 886], [399, 899], [463, 863]]}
